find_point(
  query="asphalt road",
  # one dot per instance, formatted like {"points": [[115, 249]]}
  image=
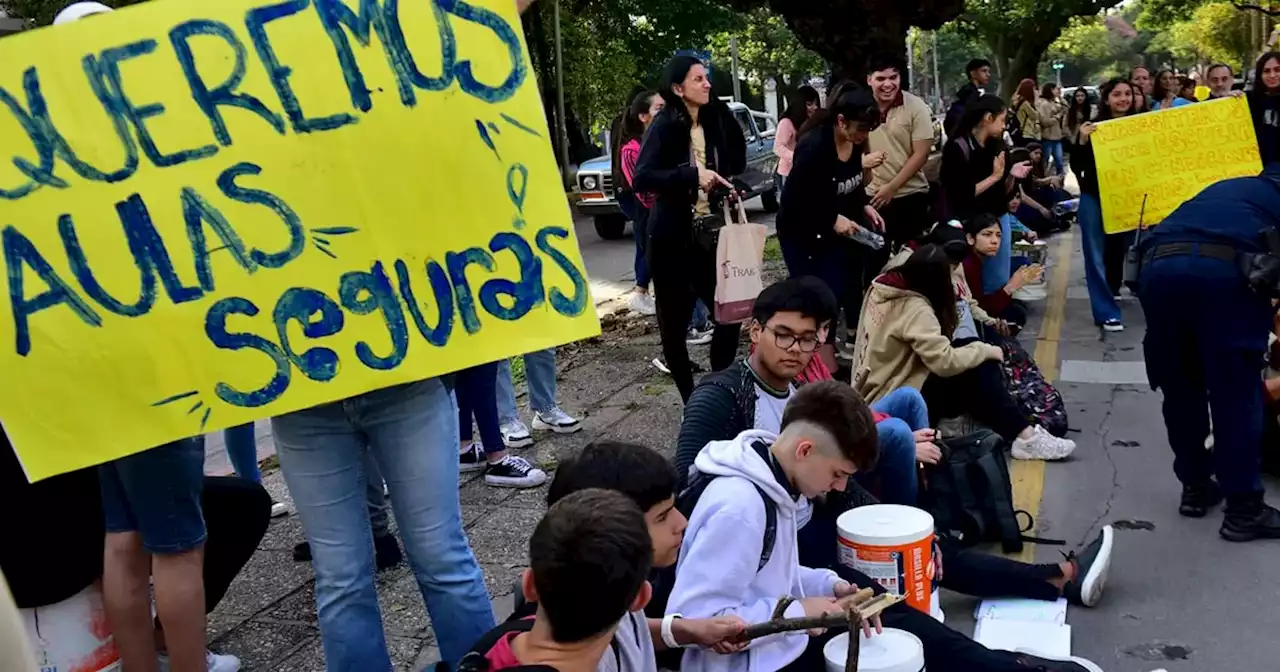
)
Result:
{"points": [[1179, 598]]}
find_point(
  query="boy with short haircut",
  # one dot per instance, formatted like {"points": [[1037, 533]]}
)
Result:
{"points": [[588, 558], [828, 434]]}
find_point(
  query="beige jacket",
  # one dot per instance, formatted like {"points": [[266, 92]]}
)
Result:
{"points": [[1052, 115], [900, 342]]}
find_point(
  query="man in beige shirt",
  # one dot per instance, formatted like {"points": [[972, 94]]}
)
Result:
{"points": [[899, 149]]}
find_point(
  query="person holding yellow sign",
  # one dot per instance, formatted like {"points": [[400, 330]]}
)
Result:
{"points": [[1116, 100]]}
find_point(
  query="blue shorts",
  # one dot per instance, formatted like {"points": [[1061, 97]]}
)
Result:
{"points": [[157, 493]]}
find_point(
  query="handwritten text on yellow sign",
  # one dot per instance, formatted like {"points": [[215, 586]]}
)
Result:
{"points": [[1168, 156], [218, 212]]}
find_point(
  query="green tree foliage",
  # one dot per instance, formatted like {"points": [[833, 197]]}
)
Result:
{"points": [[768, 49], [1090, 52], [955, 49], [1020, 32], [1215, 32]]}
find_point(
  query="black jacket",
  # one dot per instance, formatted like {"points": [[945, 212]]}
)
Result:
{"points": [[810, 201], [1266, 124], [965, 163], [722, 406], [666, 166]]}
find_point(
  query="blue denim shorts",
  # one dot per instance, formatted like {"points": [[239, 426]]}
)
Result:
{"points": [[157, 493]]}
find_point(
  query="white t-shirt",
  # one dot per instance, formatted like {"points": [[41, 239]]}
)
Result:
{"points": [[769, 405]]}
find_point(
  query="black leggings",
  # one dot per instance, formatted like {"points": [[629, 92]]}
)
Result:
{"points": [[979, 392], [971, 572], [683, 273]]}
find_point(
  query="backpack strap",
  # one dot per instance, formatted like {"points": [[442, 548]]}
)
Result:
{"points": [[770, 528]]}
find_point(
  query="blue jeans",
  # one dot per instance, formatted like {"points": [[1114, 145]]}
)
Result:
{"points": [[640, 232], [539, 373], [412, 433], [1094, 239], [1053, 154], [242, 448], [896, 470]]}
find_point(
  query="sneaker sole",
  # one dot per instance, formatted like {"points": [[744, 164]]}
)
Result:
{"points": [[518, 443], [698, 341], [1113, 328], [519, 483], [548, 427], [279, 510], [1093, 583], [470, 468]]}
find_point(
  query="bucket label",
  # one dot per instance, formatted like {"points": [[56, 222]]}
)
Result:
{"points": [[905, 569]]}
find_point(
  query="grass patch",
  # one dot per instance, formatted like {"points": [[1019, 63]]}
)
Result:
{"points": [[517, 370], [772, 249]]}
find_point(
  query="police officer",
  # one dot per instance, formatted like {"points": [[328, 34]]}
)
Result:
{"points": [[1206, 336]]}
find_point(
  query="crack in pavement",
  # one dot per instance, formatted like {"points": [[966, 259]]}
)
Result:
{"points": [[1104, 433]]}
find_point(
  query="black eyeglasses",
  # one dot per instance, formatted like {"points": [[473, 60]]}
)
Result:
{"points": [[786, 340]]}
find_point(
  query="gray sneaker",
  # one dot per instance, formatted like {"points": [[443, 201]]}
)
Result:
{"points": [[555, 420], [515, 434]]}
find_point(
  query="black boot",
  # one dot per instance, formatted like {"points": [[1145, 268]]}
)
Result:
{"points": [[1198, 499], [1248, 517]]}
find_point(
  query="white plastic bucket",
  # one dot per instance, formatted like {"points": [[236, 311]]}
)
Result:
{"points": [[890, 651], [72, 635], [893, 545]]}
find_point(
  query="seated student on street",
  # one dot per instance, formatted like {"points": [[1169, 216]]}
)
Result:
{"points": [[826, 436], [984, 234], [588, 558], [649, 480], [752, 393], [916, 332], [724, 405]]}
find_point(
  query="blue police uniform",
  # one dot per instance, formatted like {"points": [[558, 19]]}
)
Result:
{"points": [[1206, 340]]}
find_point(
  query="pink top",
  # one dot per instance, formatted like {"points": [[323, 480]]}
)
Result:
{"points": [[630, 156], [784, 145]]}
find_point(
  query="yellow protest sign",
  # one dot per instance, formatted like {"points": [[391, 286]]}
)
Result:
{"points": [[1168, 156], [218, 212], [1202, 92]]}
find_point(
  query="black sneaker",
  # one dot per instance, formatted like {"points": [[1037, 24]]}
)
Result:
{"points": [[1092, 565], [471, 459], [386, 552], [1250, 520], [514, 472], [1035, 663], [1198, 499], [302, 552]]}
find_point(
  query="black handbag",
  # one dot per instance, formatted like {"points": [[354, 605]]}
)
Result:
{"points": [[706, 232]]}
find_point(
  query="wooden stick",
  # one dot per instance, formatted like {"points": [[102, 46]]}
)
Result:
{"points": [[865, 610]]}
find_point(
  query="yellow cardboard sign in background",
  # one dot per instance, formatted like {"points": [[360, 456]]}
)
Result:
{"points": [[1169, 156], [219, 212]]}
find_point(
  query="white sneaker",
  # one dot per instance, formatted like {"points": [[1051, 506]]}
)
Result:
{"points": [[1031, 293], [1042, 446], [641, 304], [214, 662], [555, 420], [278, 509], [1112, 326], [515, 434], [514, 472], [697, 336]]}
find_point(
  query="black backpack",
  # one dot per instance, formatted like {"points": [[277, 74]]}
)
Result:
{"points": [[970, 494], [954, 114], [519, 621]]}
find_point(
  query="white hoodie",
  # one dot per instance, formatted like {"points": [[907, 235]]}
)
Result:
{"points": [[717, 573]]}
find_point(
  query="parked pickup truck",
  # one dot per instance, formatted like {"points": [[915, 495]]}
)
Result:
{"points": [[594, 183]]}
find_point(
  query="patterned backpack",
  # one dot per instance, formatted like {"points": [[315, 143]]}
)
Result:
{"points": [[1039, 400]]}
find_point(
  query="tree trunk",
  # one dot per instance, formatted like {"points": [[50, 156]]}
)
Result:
{"points": [[1023, 60], [847, 32]]}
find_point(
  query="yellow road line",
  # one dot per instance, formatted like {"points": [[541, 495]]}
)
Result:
{"points": [[1028, 475]]}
